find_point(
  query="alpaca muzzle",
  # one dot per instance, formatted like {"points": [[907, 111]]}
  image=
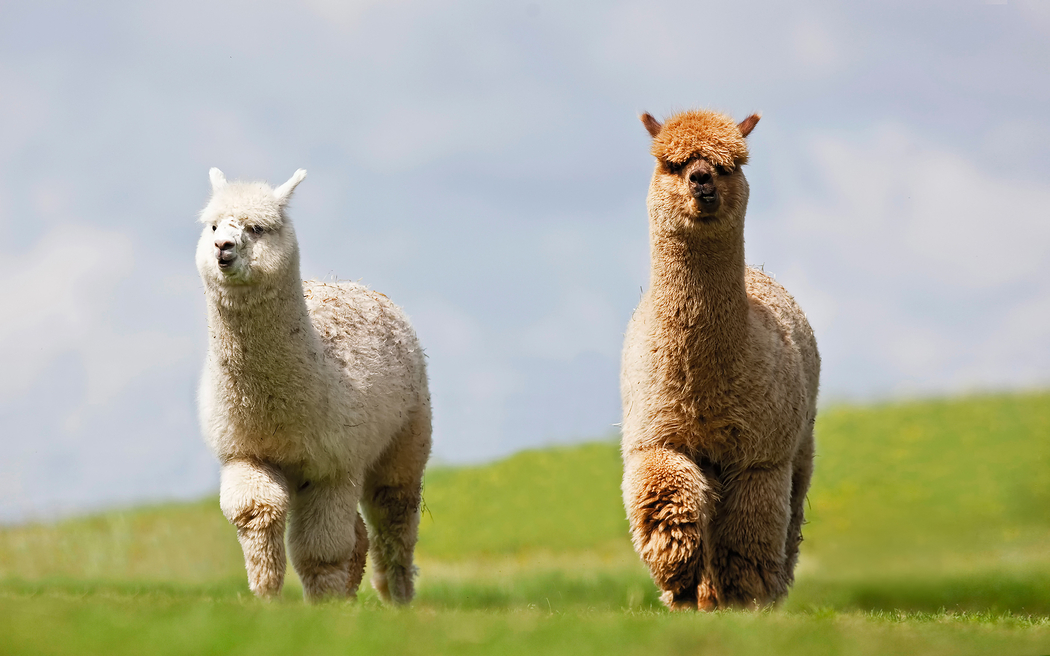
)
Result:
{"points": [[702, 186], [708, 203], [225, 253]]}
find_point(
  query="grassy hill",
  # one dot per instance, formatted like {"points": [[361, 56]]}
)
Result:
{"points": [[929, 530]]}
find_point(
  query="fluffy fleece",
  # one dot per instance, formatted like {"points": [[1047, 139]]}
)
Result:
{"points": [[314, 398], [719, 385]]}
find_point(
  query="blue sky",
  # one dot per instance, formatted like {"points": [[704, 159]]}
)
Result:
{"points": [[484, 166]]}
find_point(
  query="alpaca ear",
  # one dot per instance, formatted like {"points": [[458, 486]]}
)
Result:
{"points": [[218, 180], [284, 191], [651, 124], [748, 124]]}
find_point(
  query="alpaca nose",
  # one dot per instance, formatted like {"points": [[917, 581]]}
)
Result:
{"points": [[226, 254], [702, 185], [700, 177]]}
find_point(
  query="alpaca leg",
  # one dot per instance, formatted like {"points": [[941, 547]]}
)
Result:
{"points": [[391, 505], [669, 502], [254, 498], [801, 471], [357, 558], [323, 535], [750, 530]]}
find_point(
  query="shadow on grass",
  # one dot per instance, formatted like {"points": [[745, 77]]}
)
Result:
{"points": [[552, 591], [231, 589], [982, 592], [557, 592]]}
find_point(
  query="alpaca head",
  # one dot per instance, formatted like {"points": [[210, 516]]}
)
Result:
{"points": [[698, 186], [247, 239]]}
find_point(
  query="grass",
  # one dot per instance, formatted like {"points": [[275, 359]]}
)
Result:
{"points": [[162, 625], [929, 533]]}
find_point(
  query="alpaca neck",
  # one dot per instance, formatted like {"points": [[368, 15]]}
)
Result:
{"points": [[697, 288], [264, 331]]}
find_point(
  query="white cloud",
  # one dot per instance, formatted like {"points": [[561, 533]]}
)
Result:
{"points": [[25, 107], [344, 14], [58, 299], [581, 309], [908, 237], [50, 294], [900, 207], [816, 47], [443, 142], [1017, 351], [446, 328], [580, 323], [470, 380], [409, 136], [1036, 14], [973, 227], [821, 307]]}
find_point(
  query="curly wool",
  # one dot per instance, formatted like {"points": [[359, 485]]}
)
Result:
{"points": [[701, 133]]}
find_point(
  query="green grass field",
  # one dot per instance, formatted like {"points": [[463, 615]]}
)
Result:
{"points": [[929, 532]]}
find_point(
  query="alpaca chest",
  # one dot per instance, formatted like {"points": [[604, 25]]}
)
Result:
{"points": [[307, 431], [749, 415], [720, 408]]}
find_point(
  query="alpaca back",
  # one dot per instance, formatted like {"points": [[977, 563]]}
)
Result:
{"points": [[785, 366], [370, 340], [793, 325]]}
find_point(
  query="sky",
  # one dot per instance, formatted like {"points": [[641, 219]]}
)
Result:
{"points": [[483, 165]]}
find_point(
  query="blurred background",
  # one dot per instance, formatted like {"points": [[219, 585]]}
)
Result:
{"points": [[483, 165]]}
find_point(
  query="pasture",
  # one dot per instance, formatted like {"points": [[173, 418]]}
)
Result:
{"points": [[929, 532]]}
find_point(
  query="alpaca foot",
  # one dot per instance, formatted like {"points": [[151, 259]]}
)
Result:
{"points": [[678, 601], [254, 497], [393, 514], [381, 585], [357, 559], [265, 567], [705, 595], [395, 585], [748, 583], [324, 580], [264, 558]]}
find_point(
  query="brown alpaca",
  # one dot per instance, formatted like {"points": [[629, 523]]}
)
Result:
{"points": [[719, 385]]}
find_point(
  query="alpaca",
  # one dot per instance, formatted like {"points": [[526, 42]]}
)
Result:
{"points": [[314, 398], [719, 385]]}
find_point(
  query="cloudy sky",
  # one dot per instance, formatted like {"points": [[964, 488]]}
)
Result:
{"points": [[483, 164]]}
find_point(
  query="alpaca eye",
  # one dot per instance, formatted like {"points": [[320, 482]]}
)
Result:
{"points": [[672, 167], [258, 229], [722, 170], [214, 228]]}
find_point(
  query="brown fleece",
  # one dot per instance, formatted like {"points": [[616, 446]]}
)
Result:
{"points": [[719, 385], [707, 135]]}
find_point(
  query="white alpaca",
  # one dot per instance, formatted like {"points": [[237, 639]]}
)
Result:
{"points": [[314, 398]]}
